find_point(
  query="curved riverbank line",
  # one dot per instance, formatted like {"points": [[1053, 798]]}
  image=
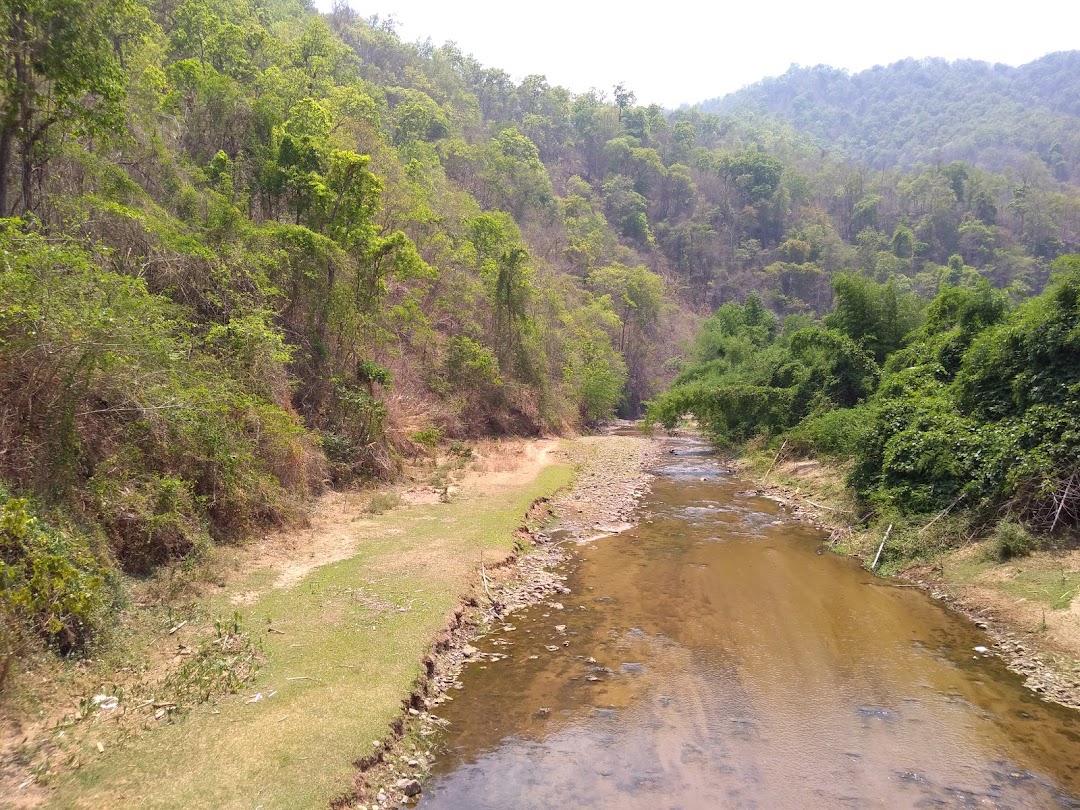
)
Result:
{"points": [[610, 480], [343, 645]]}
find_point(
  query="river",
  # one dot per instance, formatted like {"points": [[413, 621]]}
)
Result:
{"points": [[716, 656]]}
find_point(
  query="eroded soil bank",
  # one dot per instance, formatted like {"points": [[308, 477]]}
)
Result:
{"points": [[609, 483]]}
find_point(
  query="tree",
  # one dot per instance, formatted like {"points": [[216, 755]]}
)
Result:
{"points": [[876, 316], [504, 264], [637, 296], [61, 69], [756, 174], [624, 98]]}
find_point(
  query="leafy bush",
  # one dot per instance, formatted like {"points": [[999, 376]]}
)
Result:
{"points": [[1011, 539], [118, 403], [48, 583], [428, 438], [837, 433]]}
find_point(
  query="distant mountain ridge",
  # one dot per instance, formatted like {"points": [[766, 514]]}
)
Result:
{"points": [[930, 110]]}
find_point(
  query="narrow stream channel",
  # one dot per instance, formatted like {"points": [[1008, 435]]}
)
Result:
{"points": [[715, 657]]}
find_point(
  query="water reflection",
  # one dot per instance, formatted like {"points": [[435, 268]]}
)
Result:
{"points": [[712, 657]]}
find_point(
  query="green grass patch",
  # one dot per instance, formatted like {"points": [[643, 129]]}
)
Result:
{"points": [[1037, 578], [345, 651], [1052, 588]]}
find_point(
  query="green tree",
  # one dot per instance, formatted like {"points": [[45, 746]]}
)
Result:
{"points": [[61, 71], [875, 315]]}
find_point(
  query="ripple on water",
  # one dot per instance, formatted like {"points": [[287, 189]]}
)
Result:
{"points": [[711, 669]]}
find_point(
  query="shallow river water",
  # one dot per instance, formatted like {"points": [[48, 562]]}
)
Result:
{"points": [[715, 657]]}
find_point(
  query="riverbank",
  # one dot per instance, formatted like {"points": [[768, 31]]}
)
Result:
{"points": [[324, 637], [609, 482], [1029, 606]]}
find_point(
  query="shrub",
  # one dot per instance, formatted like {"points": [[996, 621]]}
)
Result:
{"points": [[117, 400], [382, 502], [428, 438], [1011, 539], [48, 584], [834, 433]]}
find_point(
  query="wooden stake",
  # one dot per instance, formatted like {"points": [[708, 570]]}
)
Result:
{"points": [[484, 579], [1061, 505], [877, 557]]}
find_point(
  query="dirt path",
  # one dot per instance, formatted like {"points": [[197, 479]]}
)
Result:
{"points": [[339, 521]]}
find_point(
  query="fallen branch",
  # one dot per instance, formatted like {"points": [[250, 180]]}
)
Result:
{"points": [[484, 579], [891, 585], [942, 514], [884, 540], [776, 459]]}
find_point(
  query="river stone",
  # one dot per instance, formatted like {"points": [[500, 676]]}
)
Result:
{"points": [[410, 787], [875, 711]]}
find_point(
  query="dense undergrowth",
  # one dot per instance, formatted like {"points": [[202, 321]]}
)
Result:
{"points": [[965, 407]]}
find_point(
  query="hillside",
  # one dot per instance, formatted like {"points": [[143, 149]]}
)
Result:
{"points": [[933, 111]]}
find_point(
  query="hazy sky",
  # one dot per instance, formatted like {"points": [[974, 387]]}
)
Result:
{"points": [[676, 51]]}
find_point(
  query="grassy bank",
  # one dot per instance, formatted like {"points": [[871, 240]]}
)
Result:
{"points": [[342, 645]]}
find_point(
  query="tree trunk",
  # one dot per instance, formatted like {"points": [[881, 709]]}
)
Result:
{"points": [[27, 174], [5, 165]]}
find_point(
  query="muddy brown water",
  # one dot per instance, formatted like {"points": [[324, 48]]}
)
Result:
{"points": [[715, 657]]}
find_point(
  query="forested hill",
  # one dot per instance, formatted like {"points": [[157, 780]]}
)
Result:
{"points": [[247, 249], [930, 110]]}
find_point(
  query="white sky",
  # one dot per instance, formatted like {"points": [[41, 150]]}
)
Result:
{"points": [[676, 51]]}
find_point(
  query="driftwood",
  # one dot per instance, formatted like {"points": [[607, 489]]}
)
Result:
{"points": [[892, 585], [776, 459], [884, 540], [829, 508]]}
